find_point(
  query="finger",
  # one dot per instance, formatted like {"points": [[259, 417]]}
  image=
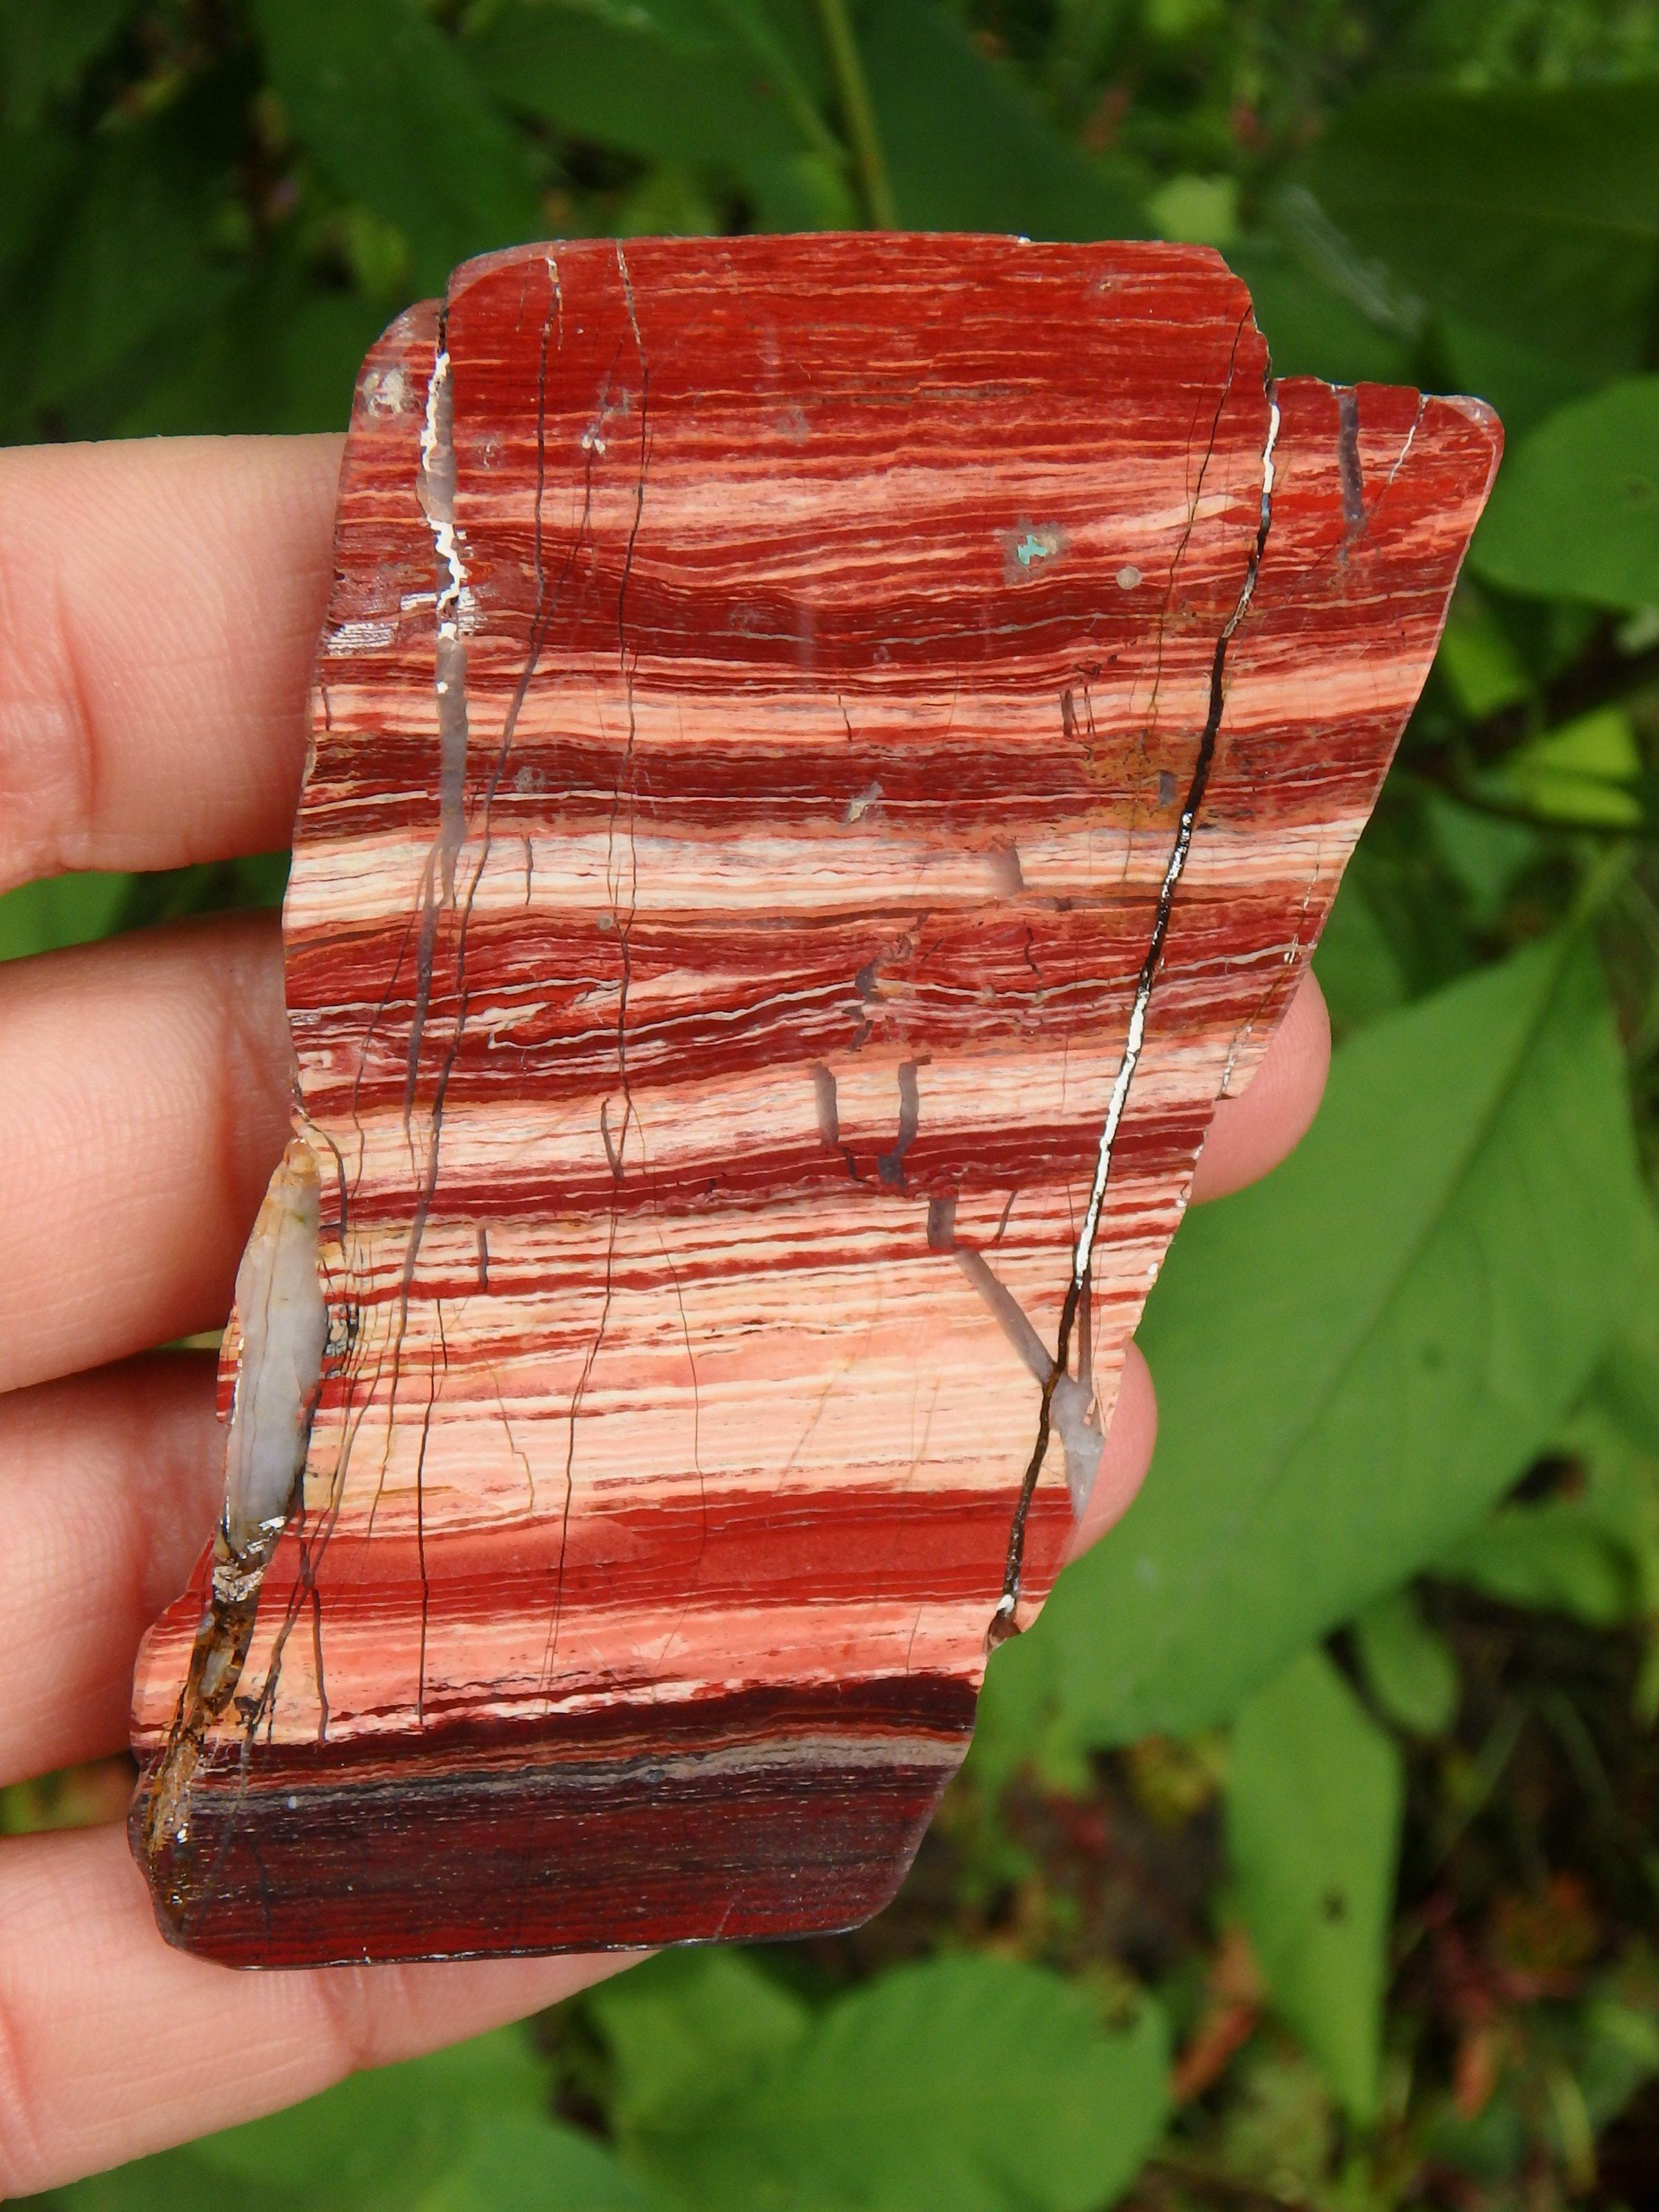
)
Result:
{"points": [[109, 1488], [1254, 1131], [160, 605], [111, 2045], [143, 1103]]}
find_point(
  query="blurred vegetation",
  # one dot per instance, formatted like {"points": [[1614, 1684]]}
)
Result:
{"points": [[1307, 1853]]}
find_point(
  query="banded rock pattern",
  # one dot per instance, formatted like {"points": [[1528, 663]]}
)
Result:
{"points": [[829, 755]]}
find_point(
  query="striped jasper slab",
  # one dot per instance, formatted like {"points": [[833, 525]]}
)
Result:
{"points": [[829, 755]]}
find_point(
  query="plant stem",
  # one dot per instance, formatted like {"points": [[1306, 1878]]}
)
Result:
{"points": [[858, 115]]}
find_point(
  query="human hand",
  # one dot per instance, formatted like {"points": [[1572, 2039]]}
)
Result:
{"points": [[160, 604]]}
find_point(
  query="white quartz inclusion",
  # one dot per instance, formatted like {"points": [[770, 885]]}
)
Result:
{"points": [[284, 1324]]}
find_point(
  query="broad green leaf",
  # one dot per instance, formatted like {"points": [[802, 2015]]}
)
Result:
{"points": [[138, 260], [806, 191], [1614, 1446], [387, 105], [1628, 1391], [1575, 514], [1409, 1667], [1311, 329], [536, 2166], [673, 83], [1359, 970], [172, 2181], [970, 2084], [38, 169], [967, 149], [1621, 2035], [1478, 660], [1355, 1357], [1484, 855], [390, 2129], [1523, 381], [43, 50], [691, 2027], [1551, 1555], [315, 358], [279, 356], [1585, 771], [1531, 214], [1314, 1805], [1490, 2147], [1593, 1550]]}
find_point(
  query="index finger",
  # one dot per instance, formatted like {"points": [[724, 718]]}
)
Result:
{"points": [[160, 606]]}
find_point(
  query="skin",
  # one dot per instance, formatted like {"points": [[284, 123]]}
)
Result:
{"points": [[160, 602]]}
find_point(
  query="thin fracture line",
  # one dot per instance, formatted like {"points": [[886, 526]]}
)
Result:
{"points": [[1002, 1620], [1174, 870]]}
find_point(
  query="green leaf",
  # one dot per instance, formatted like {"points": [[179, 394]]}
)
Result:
{"points": [[81, 909], [1355, 1357], [1612, 1445], [677, 83], [37, 172], [1523, 381], [43, 50], [1359, 970], [968, 149], [807, 192], [388, 2129], [1574, 514], [1629, 1391], [1620, 2049], [1409, 1667], [691, 2027], [970, 2084], [1478, 660], [536, 2166], [60, 910], [1552, 1556], [1533, 214], [1311, 329], [1313, 1805], [387, 105], [279, 356], [1484, 855], [172, 2181], [137, 258], [1584, 771]]}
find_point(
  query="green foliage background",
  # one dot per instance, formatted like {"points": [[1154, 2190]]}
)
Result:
{"points": [[1305, 1857]]}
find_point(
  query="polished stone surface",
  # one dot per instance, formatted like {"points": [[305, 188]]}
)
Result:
{"points": [[829, 755]]}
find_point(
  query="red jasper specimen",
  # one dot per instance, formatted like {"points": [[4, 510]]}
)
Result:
{"points": [[829, 755]]}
